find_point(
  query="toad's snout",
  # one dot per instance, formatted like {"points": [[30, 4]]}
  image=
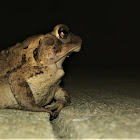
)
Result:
{"points": [[77, 49], [78, 42]]}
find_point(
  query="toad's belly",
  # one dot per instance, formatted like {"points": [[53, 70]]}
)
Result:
{"points": [[43, 93], [44, 87]]}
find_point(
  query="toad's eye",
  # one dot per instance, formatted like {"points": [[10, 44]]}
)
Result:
{"points": [[63, 32]]}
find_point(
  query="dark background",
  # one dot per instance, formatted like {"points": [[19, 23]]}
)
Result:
{"points": [[109, 29]]}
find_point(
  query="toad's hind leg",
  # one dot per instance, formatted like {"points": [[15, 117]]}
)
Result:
{"points": [[7, 99], [62, 99], [23, 93]]}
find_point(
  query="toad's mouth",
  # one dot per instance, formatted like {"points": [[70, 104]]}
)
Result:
{"points": [[61, 58]]}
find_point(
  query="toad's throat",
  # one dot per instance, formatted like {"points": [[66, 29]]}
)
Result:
{"points": [[62, 58]]}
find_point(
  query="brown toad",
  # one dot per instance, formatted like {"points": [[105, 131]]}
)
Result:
{"points": [[30, 71]]}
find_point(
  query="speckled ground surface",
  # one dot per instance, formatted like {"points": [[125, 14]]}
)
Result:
{"points": [[99, 114], [105, 104], [16, 124]]}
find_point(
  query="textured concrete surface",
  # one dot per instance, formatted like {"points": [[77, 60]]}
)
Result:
{"points": [[105, 104], [99, 114], [16, 124]]}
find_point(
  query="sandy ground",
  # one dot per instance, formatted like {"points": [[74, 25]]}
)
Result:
{"points": [[105, 104]]}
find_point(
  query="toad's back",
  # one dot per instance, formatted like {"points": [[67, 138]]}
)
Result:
{"points": [[15, 56]]}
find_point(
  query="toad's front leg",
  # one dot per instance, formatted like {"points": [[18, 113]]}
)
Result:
{"points": [[23, 93], [62, 99]]}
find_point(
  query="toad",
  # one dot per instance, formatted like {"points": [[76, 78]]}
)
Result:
{"points": [[31, 72]]}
